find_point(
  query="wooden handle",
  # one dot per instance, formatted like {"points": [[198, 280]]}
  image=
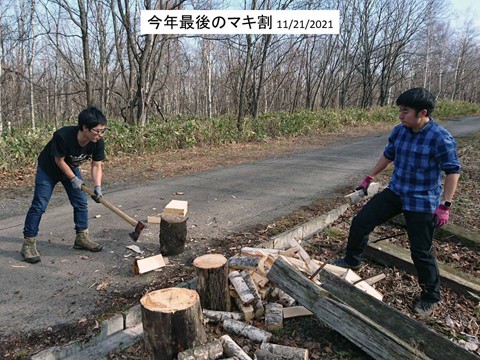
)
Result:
{"points": [[112, 207]]}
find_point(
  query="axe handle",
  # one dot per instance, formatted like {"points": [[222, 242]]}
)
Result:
{"points": [[112, 207]]}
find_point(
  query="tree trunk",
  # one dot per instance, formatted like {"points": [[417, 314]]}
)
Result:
{"points": [[173, 234], [212, 284], [172, 322]]}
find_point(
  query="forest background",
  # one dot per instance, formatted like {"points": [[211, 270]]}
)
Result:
{"points": [[163, 91]]}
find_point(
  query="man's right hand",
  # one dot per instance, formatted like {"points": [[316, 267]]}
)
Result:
{"points": [[365, 184], [76, 183]]}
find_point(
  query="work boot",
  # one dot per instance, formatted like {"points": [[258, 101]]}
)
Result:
{"points": [[424, 308], [29, 251], [82, 242], [342, 263]]}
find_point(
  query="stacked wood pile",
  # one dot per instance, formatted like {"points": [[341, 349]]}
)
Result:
{"points": [[262, 307]]}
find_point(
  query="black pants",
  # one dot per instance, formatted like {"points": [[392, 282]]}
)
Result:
{"points": [[383, 207]]}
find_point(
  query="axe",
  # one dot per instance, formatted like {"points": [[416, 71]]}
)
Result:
{"points": [[139, 226]]}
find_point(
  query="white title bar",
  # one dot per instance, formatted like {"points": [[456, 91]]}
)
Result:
{"points": [[202, 22]]}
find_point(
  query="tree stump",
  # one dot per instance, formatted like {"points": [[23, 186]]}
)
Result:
{"points": [[172, 322], [173, 234], [212, 283]]}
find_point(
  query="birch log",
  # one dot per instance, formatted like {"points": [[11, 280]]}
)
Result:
{"points": [[273, 316], [219, 316], [287, 351], [209, 351], [241, 287], [243, 262], [250, 332], [231, 348]]}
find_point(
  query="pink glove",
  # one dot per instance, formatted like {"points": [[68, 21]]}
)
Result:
{"points": [[365, 184], [441, 215]]}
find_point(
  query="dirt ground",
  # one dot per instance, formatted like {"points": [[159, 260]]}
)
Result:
{"points": [[456, 317]]}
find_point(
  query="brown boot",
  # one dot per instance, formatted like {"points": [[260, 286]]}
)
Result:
{"points": [[82, 242], [29, 251]]}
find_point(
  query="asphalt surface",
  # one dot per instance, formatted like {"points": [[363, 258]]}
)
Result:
{"points": [[63, 287]]}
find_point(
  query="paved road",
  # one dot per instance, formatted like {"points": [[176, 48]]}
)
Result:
{"points": [[62, 288]]}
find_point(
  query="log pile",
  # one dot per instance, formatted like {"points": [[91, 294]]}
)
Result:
{"points": [[261, 307]]}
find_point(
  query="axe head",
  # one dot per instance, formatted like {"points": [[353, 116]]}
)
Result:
{"points": [[138, 229]]}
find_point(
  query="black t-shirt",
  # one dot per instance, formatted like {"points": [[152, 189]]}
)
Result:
{"points": [[64, 143]]}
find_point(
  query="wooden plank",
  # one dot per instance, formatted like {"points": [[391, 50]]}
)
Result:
{"points": [[148, 264], [412, 332], [357, 328], [176, 207], [449, 232], [393, 255]]}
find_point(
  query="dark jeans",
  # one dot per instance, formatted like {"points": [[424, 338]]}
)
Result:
{"points": [[44, 185], [383, 207]]}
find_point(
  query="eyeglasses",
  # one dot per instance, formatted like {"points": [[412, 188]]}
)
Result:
{"points": [[99, 132]]}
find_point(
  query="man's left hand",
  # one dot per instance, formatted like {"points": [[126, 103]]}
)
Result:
{"points": [[441, 215], [97, 190]]}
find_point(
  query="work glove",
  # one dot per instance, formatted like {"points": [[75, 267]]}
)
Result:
{"points": [[76, 183], [97, 190], [441, 215], [365, 184]]}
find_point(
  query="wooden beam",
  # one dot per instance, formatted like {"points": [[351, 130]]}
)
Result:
{"points": [[356, 327], [393, 255], [412, 332]]}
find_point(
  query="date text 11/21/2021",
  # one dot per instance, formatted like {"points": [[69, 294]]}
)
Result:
{"points": [[304, 24]]}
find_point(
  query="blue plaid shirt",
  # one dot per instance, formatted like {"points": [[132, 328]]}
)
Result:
{"points": [[419, 159]]}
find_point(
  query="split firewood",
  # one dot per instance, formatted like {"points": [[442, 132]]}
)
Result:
{"points": [[242, 329], [353, 278], [273, 316], [292, 353], [209, 351], [296, 311], [241, 287], [285, 299], [267, 355], [176, 207], [375, 279], [247, 310], [219, 316], [231, 348], [148, 264], [258, 252], [257, 304], [243, 262], [259, 280], [290, 251]]}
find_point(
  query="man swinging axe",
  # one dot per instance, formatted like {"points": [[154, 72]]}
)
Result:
{"points": [[59, 161]]}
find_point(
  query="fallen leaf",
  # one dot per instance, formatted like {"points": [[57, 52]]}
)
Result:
{"points": [[103, 286]]}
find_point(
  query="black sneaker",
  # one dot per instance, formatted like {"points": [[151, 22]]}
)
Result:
{"points": [[342, 263], [424, 308]]}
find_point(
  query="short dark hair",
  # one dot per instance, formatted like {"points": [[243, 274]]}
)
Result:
{"points": [[418, 99], [91, 117]]}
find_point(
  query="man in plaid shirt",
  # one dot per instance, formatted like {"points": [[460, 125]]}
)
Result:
{"points": [[421, 150]]}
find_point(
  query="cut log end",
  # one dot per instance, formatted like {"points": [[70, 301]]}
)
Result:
{"points": [[169, 300], [210, 261]]}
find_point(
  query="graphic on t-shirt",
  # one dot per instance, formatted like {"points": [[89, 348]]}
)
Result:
{"points": [[75, 161]]}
